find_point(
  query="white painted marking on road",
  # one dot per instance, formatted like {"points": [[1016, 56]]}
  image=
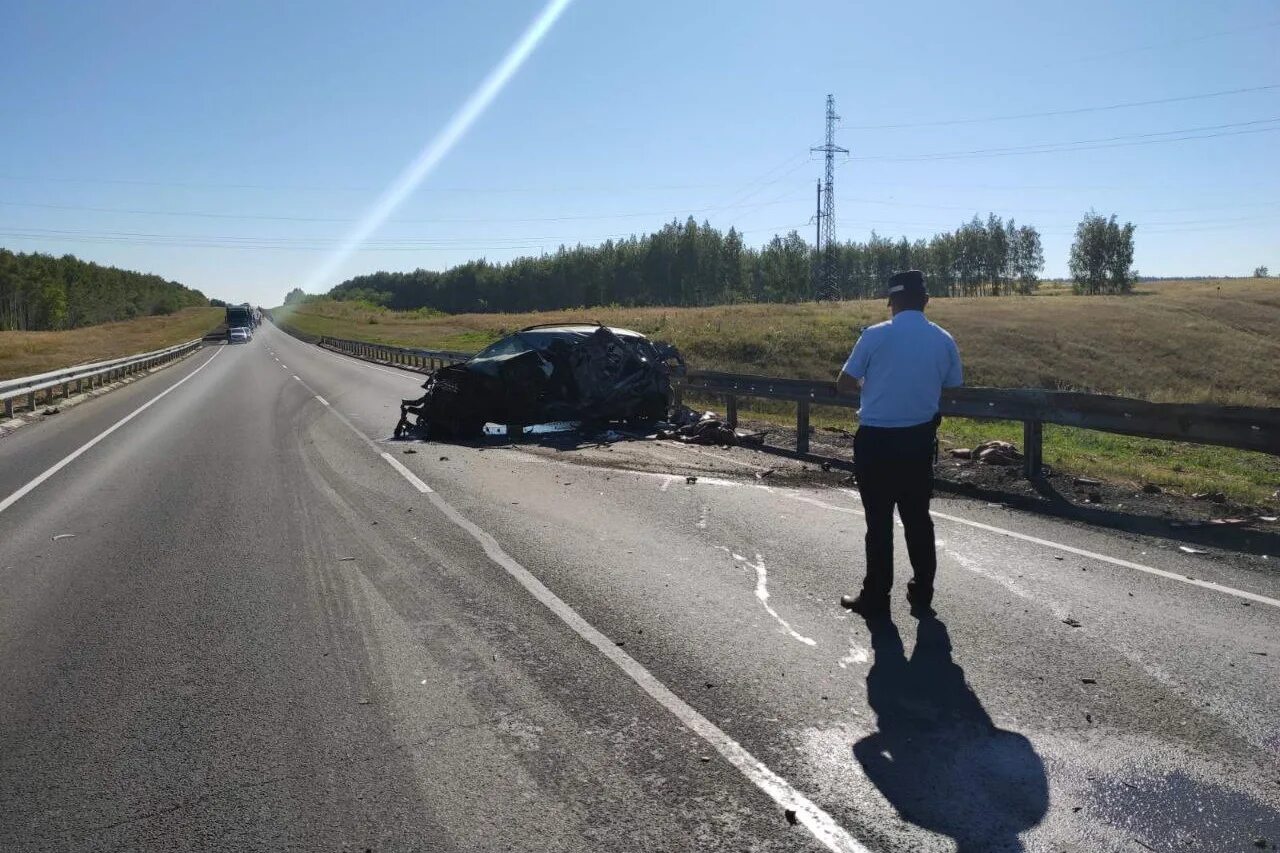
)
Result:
{"points": [[703, 511], [406, 473], [1094, 555], [824, 827], [84, 448], [762, 593], [285, 366], [1115, 561], [297, 377], [814, 818], [322, 400], [1081, 552]]}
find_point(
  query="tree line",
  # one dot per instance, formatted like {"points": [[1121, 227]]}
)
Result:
{"points": [[39, 292], [687, 263]]}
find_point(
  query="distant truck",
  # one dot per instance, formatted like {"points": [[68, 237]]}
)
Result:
{"points": [[242, 316]]}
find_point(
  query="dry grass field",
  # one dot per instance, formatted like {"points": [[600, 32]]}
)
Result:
{"points": [[1189, 341], [28, 353], [1193, 341]]}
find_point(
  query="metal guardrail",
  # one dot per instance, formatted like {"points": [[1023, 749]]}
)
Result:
{"points": [[96, 373], [1241, 427], [414, 359]]}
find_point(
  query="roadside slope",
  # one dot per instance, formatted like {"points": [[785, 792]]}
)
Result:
{"points": [[27, 353]]}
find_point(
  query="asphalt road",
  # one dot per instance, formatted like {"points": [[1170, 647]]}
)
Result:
{"points": [[245, 620]]}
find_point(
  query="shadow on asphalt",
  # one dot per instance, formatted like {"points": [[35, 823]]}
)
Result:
{"points": [[937, 757]]}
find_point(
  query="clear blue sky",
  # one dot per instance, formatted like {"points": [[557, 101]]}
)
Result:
{"points": [[231, 145]]}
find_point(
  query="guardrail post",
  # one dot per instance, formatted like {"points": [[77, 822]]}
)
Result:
{"points": [[66, 389], [802, 426], [731, 410], [31, 401], [1032, 448], [8, 407]]}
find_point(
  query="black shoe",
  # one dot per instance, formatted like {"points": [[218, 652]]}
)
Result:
{"points": [[921, 602], [864, 607]]}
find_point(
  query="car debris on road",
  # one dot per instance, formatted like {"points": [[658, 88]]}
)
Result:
{"points": [[708, 428], [594, 374]]}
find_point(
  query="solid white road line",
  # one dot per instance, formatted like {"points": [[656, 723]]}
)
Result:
{"points": [[823, 826], [794, 494], [322, 400], [1115, 561], [77, 453], [406, 473]]}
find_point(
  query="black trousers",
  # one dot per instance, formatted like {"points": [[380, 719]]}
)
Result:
{"points": [[895, 468]]}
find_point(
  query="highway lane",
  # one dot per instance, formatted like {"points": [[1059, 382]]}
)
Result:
{"points": [[977, 730], [1183, 700]]}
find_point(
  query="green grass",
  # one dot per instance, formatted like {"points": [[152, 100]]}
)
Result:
{"points": [[1202, 341], [1177, 467]]}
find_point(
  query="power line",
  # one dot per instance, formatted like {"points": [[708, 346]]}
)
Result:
{"points": [[467, 221], [1048, 113], [211, 241], [1129, 51], [593, 188], [1087, 144]]}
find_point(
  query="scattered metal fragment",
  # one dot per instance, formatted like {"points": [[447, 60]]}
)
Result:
{"points": [[1086, 481], [708, 429], [64, 536], [410, 450], [767, 472], [1188, 550], [1072, 622], [1215, 497], [1088, 681]]}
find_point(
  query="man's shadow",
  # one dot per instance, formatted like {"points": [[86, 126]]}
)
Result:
{"points": [[937, 757]]}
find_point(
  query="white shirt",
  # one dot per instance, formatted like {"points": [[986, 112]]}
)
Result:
{"points": [[904, 364]]}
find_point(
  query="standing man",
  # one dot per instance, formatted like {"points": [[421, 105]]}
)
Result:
{"points": [[901, 367]]}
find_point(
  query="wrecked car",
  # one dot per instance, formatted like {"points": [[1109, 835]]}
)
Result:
{"points": [[594, 374]]}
